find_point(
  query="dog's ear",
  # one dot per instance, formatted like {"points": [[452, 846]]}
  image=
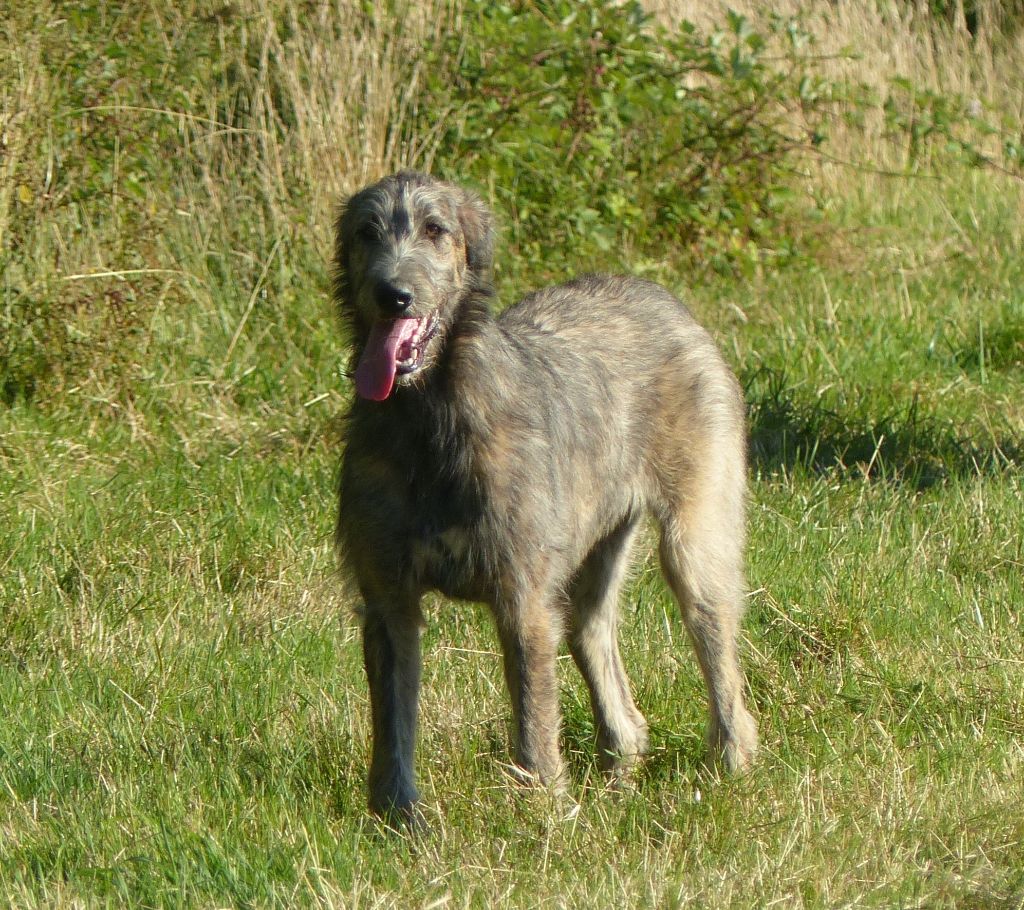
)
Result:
{"points": [[344, 230], [478, 230]]}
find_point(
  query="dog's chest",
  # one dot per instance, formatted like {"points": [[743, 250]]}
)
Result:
{"points": [[444, 529], [449, 562], [413, 502]]}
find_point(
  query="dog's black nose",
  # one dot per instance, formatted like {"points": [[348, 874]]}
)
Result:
{"points": [[392, 299]]}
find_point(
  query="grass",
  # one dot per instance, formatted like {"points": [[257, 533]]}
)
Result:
{"points": [[185, 716]]}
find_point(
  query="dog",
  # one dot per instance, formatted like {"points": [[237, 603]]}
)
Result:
{"points": [[511, 460]]}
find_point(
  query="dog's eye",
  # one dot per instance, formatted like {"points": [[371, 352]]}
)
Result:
{"points": [[368, 233], [433, 229]]}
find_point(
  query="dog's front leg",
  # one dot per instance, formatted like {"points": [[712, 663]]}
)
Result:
{"points": [[529, 635], [391, 651]]}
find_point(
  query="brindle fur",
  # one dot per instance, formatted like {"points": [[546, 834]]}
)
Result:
{"points": [[515, 468]]}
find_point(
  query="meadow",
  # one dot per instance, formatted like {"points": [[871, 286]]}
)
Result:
{"points": [[184, 712]]}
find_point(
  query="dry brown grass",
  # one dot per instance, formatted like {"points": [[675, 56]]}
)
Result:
{"points": [[299, 105], [344, 80], [23, 95], [889, 40], [349, 92], [871, 44]]}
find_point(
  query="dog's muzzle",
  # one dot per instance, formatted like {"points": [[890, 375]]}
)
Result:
{"points": [[395, 347]]}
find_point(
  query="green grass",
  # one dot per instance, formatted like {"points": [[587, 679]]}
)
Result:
{"points": [[185, 718], [186, 712]]}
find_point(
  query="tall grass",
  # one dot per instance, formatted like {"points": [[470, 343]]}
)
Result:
{"points": [[164, 171], [164, 188], [874, 44]]}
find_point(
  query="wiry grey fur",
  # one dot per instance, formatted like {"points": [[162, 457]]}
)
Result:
{"points": [[514, 468]]}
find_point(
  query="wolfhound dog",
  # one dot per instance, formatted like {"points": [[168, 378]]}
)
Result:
{"points": [[511, 459]]}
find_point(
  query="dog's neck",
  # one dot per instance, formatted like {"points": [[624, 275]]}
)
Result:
{"points": [[436, 424]]}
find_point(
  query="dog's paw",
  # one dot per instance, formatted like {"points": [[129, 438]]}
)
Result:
{"points": [[733, 746], [552, 779], [407, 819], [617, 757], [398, 807]]}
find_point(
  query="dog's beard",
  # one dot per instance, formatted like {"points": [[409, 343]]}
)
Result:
{"points": [[395, 347]]}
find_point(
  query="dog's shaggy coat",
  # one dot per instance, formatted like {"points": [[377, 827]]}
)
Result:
{"points": [[510, 460]]}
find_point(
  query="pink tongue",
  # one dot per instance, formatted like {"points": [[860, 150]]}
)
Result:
{"points": [[375, 374]]}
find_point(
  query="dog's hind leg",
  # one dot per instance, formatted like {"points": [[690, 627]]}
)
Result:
{"points": [[702, 563], [593, 641], [391, 650]]}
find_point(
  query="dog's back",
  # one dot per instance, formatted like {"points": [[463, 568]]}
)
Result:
{"points": [[609, 387]]}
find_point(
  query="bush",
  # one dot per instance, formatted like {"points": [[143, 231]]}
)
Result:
{"points": [[599, 131]]}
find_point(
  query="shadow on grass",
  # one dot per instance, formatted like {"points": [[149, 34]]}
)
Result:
{"points": [[790, 432]]}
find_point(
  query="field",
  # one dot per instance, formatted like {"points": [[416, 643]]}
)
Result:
{"points": [[185, 715]]}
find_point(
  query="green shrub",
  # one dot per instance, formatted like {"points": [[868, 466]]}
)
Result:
{"points": [[599, 131]]}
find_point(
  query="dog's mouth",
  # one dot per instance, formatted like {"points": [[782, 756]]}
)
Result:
{"points": [[395, 348]]}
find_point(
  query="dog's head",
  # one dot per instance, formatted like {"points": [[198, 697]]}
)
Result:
{"points": [[408, 251]]}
